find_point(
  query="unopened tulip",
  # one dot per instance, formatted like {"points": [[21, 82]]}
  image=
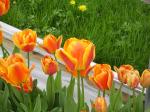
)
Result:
{"points": [[145, 78], [102, 76], [49, 65], [133, 79], [25, 40], [100, 104], [122, 72], [51, 44], [4, 6], [77, 54]]}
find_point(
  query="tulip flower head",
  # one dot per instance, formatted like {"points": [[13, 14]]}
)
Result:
{"points": [[133, 79], [15, 58], [49, 65], [14, 71], [4, 6], [25, 40], [77, 54], [145, 78], [51, 44], [122, 72], [100, 104], [102, 76]]}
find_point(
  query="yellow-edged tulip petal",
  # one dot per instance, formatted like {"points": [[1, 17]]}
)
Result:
{"points": [[145, 78], [70, 62]]}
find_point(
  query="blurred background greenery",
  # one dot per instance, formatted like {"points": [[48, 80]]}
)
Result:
{"points": [[120, 29]]}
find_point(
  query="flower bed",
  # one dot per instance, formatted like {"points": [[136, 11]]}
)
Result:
{"points": [[19, 91], [90, 91]]}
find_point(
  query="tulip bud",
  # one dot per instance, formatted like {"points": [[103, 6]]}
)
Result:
{"points": [[51, 44], [103, 76], [100, 104], [145, 78], [133, 79], [122, 72], [25, 40], [49, 65]]}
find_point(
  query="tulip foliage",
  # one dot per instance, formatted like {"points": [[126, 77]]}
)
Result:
{"points": [[20, 93]]}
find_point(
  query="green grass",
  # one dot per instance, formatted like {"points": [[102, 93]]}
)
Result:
{"points": [[120, 29]]}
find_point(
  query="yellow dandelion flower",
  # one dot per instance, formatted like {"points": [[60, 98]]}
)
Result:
{"points": [[72, 2], [14, 2], [82, 8]]}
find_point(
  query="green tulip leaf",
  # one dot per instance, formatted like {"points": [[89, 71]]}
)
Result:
{"points": [[50, 90], [16, 50], [37, 107], [58, 83]]}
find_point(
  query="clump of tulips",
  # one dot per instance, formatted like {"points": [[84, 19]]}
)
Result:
{"points": [[19, 92]]}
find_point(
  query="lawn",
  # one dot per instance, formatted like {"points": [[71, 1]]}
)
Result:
{"points": [[120, 29]]}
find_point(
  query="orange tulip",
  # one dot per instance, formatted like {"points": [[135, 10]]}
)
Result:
{"points": [[103, 76], [133, 78], [51, 44], [18, 73], [1, 37], [100, 104], [145, 78], [77, 54], [3, 68], [14, 71], [15, 58], [4, 6], [49, 65], [27, 86], [122, 72], [25, 40]]}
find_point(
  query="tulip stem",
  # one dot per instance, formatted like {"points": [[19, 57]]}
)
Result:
{"points": [[55, 57], [28, 56], [104, 93], [78, 82], [82, 90], [133, 100], [116, 97], [143, 98], [4, 50], [99, 93]]}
